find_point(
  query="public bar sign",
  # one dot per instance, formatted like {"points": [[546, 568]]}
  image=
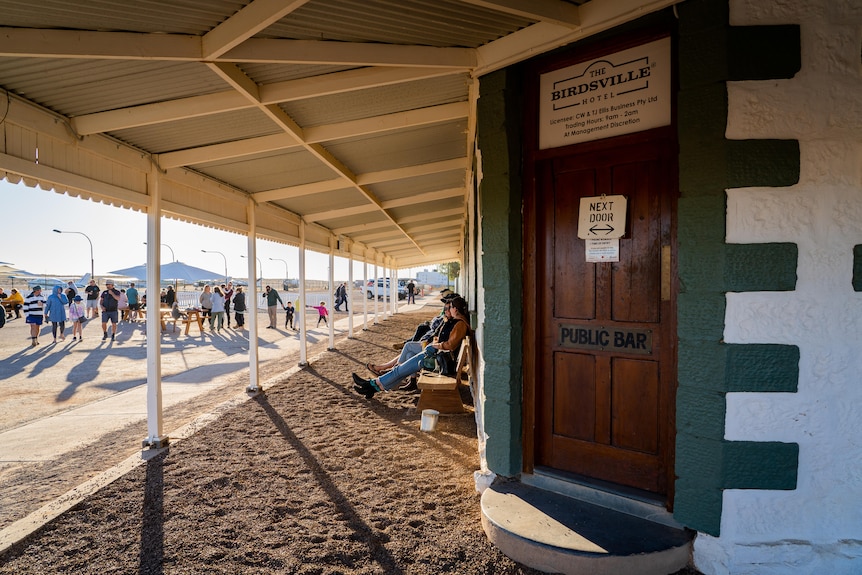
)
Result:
{"points": [[617, 94], [601, 338]]}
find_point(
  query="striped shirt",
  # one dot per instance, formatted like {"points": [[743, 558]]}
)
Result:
{"points": [[31, 305]]}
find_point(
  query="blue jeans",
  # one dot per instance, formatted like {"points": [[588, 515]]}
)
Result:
{"points": [[390, 380]]}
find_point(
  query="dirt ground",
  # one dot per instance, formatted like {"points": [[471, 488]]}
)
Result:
{"points": [[307, 478]]}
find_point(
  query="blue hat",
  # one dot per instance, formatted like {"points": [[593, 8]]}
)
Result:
{"points": [[37, 288], [77, 298]]}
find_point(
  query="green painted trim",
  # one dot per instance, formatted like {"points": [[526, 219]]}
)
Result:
{"points": [[762, 367], [773, 163], [760, 267], [857, 267], [711, 53], [764, 52], [500, 197], [760, 465]]}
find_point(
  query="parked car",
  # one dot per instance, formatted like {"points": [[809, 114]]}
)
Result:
{"points": [[376, 288]]}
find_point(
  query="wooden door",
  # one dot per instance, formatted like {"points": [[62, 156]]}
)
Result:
{"points": [[604, 386]]}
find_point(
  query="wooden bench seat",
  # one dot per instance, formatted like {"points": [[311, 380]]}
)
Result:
{"points": [[441, 392]]}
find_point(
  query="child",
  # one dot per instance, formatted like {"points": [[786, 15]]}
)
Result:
{"points": [[76, 316], [322, 313], [288, 319]]}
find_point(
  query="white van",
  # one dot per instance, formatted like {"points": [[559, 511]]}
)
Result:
{"points": [[376, 288]]}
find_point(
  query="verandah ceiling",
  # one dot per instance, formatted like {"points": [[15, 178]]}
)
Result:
{"points": [[357, 116]]}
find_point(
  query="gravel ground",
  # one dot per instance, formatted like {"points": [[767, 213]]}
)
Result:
{"points": [[307, 478]]}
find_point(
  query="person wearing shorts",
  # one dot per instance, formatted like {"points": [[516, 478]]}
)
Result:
{"points": [[92, 291], [34, 312], [109, 302]]}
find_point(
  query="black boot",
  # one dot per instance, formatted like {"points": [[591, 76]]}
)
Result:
{"points": [[363, 387]]}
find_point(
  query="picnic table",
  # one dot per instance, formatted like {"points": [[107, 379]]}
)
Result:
{"points": [[164, 317]]}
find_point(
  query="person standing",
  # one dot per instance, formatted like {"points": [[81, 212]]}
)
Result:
{"points": [[71, 291], [134, 303], [206, 301], [322, 312], [92, 290], [109, 301], [272, 300], [77, 317], [239, 307], [411, 292], [341, 297], [170, 296], [55, 310], [217, 320], [289, 312], [34, 313], [228, 295]]}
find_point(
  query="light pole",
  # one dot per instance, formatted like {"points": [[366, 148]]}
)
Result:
{"points": [[259, 268], [92, 267], [225, 261], [173, 259], [286, 277]]}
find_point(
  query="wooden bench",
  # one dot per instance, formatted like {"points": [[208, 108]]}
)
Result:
{"points": [[441, 392]]}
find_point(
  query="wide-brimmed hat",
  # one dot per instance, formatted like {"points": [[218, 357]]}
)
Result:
{"points": [[77, 298]]}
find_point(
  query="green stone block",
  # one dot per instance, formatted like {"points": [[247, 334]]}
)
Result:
{"points": [[701, 315], [771, 163], [702, 364], [697, 507], [761, 267], [857, 268], [760, 465], [703, 57], [700, 412], [699, 460], [503, 427], [762, 367], [702, 113], [764, 52], [700, 16], [703, 167]]}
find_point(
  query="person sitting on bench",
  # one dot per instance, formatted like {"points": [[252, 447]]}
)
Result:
{"points": [[449, 340]]}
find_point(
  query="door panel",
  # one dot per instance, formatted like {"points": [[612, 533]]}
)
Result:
{"points": [[604, 381]]}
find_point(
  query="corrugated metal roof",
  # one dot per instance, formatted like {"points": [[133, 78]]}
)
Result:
{"points": [[161, 95]]}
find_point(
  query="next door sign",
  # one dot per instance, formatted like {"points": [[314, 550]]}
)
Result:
{"points": [[602, 218]]}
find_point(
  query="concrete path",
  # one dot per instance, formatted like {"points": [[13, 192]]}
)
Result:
{"points": [[58, 397]]}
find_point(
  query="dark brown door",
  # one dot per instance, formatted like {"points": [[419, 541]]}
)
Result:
{"points": [[606, 362]]}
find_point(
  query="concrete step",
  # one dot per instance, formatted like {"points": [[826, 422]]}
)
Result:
{"points": [[558, 534]]}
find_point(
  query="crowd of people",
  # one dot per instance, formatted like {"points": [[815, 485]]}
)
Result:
{"points": [[65, 305]]}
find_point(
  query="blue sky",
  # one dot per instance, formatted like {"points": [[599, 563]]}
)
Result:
{"points": [[118, 237]]}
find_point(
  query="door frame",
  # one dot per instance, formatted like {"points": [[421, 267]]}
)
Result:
{"points": [[531, 157]]}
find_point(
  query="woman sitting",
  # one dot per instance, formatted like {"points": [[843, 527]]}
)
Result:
{"points": [[449, 340]]}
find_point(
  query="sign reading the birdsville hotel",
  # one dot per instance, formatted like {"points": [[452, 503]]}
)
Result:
{"points": [[621, 93]]}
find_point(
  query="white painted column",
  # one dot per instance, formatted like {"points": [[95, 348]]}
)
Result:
{"points": [[364, 297], [300, 309], [350, 301], [376, 291], [251, 299], [331, 321], [154, 439]]}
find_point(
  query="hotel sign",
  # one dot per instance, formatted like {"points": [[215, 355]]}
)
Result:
{"points": [[617, 94]]}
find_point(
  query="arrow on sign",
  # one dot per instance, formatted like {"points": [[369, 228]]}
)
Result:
{"points": [[607, 229]]}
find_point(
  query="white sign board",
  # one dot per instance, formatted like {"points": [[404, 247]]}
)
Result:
{"points": [[598, 251], [602, 217], [609, 96]]}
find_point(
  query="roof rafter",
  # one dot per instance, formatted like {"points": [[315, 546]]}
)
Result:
{"points": [[230, 100], [553, 11], [250, 20], [41, 43]]}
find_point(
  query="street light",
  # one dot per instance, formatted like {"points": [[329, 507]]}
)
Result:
{"points": [[259, 267], [92, 267], [173, 259], [286, 277], [225, 261]]}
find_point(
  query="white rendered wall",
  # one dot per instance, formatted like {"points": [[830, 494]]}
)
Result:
{"points": [[816, 529]]}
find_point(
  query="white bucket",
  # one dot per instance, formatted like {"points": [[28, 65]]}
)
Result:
{"points": [[429, 420]]}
